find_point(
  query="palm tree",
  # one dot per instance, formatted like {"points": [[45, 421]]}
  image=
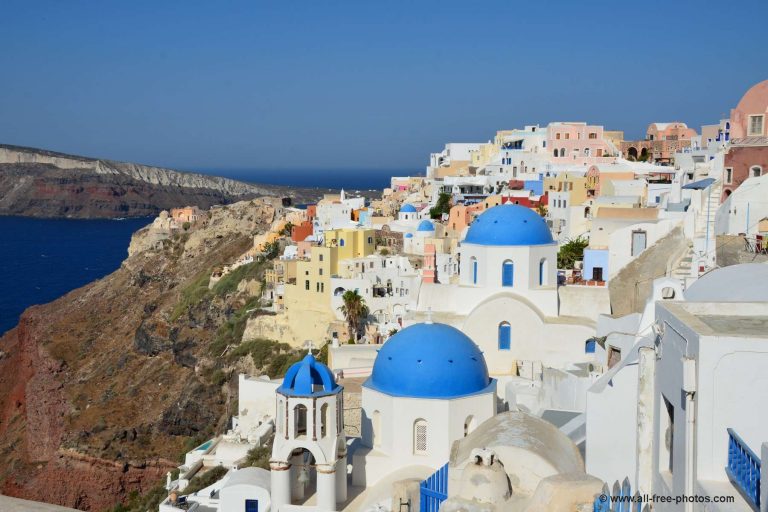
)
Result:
{"points": [[355, 311]]}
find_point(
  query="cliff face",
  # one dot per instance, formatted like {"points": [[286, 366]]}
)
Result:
{"points": [[41, 183], [103, 389]]}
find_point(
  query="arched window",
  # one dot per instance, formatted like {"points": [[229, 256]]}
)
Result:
{"points": [[555, 152], [505, 336], [376, 429], [543, 271], [323, 420], [589, 347], [562, 151], [299, 420], [473, 265], [507, 273], [469, 425], [420, 437]]}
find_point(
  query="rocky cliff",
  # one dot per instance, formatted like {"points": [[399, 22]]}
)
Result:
{"points": [[40, 183], [103, 389]]}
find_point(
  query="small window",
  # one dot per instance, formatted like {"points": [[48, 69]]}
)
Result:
{"points": [[324, 420], [370, 239], [589, 348], [251, 505], [756, 171], [320, 257], [306, 285], [729, 176], [320, 271], [341, 242], [755, 125], [505, 336], [557, 136], [507, 273], [420, 437]]}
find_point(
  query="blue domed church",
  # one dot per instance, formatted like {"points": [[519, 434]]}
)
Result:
{"points": [[507, 299], [429, 387]]}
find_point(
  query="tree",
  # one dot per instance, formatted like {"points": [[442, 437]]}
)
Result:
{"points": [[541, 209], [287, 229], [354, 310], [571, 252], [443, 206]]}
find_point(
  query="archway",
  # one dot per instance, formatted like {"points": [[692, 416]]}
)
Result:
{"points": [[632, 153]]}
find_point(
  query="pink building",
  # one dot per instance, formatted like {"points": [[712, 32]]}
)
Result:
{"points": [[429, 272], [747, 154], [748, 118], [577, 143], [662, 141]]}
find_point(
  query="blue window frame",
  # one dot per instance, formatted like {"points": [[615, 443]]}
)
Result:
{"points": [[507, 273], [505, 336], [589, 348], [251, 505], [474, 271], [341, 242]]}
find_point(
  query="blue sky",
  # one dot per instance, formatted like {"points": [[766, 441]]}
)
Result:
{"points": [[357, 85]]}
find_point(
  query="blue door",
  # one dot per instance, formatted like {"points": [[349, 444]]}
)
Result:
{"points": [[507, 273], [505, 336], [474, 272], [251, 505], [590, 346]]}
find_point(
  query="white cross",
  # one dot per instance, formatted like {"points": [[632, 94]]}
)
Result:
{"points": [[310, 347], [429, 315]]}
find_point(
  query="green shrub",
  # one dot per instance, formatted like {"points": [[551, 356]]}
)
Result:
{"points": [[229, 282], [192, 294], [202, 481]]}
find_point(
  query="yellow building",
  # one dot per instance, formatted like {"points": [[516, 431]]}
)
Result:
{"points": [[351, 243], [308, 298], [576, 184]]}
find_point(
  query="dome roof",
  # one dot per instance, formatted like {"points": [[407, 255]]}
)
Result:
{"points": [[409, 235], [408, 208], [429, 361], [308, 377], [509, 224], [425, 225]]}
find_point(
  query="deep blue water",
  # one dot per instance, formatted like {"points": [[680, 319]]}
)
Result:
{"points": [[42, 259]]}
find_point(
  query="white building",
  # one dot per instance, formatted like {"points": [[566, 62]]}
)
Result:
{"points": [[429, 387], [507, 296]]}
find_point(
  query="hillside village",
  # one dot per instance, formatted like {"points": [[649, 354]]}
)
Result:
{"points": [[553, 319], [543, 321]]}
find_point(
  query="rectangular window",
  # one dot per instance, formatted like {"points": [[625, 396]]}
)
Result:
{"points": [[320, 271], [321, 257], [593, 135], [755, 125], [251, 505], [728, 176], [306, 284]]}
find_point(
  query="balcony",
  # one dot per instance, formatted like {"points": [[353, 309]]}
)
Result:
{"points": [[744, 469]]}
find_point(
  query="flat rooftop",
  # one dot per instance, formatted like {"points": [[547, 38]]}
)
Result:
{"points": [[743, 319]]}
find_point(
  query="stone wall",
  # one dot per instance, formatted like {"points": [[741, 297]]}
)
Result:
{"points": [[632, 286], [731, 250]]}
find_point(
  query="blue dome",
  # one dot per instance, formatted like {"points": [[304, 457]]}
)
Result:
{"points": [[408, 208], [429, 361], [509, 224], [425, 225], [409, 235], [308, 377]]}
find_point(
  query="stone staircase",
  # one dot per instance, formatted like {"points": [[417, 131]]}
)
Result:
{"points": [[706, 217], [681, 269]]}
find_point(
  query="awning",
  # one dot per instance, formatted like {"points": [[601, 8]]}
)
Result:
{"points": [[699, 185]]}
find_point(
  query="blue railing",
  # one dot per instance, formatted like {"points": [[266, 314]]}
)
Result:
{"points": [[620, 499], [434, 490], [744, 468]]}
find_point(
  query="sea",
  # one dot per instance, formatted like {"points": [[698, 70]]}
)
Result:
{"points": [[43, 259]]}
